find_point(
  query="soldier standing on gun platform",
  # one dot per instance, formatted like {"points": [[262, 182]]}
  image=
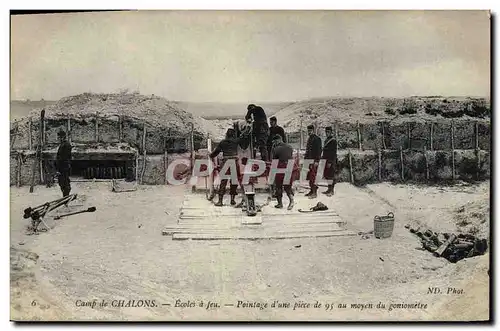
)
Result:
{"points": [[330, 155], [283, 152], [63, 163], [229, 149], [274, 130], [260, 128], [313, 152]]}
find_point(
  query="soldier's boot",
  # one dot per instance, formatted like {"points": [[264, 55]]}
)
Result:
{"points": [[314, 193], [219, 203], [233, 202], [241, 204], [329, 191], [309, 193], [251, 208], [291, 203], [212, 196], [332, 191], [273, 192], [280, 202]]}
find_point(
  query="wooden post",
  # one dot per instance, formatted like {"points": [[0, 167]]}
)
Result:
{"points": [[408, 133], [452, 150], [300, 134], [210, 178], [478, 158], [350, 166], [30, 134], [44, 139], [379, 154], [193, 187], [18, 170], [165, 159], [476, 133], [137, 167], [432, 137], [426, 163], [383, 136], [96, 127], [359, 136], [144, 132], [144, 153], [402, 162], [191, 147], [68, 129], [120, 128], [44, 132], [337, 133]]}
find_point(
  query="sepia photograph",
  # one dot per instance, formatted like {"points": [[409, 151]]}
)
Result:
{"points": [[250, 166]]}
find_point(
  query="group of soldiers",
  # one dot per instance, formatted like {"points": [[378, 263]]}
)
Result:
{"points": [[270, 141]]}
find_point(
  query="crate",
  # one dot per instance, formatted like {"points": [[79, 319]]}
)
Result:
{"points": [[383, 226]]}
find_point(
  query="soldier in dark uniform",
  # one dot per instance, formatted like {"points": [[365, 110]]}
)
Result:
{"points": [[330, 155], [274, 130], [283, 152], [63, 163], [313, 152], [229, 149], [260, 129]]}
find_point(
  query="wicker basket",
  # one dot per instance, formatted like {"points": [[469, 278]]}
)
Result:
{"points": [[383, 226]]}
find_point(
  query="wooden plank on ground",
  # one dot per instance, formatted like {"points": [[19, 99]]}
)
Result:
{"points": [[206, 216], [250, 236], [306, 221], [326, 213], [265, 212], [234, 232], [251, 221], [260, 220], [219, 227], [248, 221]]}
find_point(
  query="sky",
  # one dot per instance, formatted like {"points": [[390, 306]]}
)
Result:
{"points": [[251, 56]]}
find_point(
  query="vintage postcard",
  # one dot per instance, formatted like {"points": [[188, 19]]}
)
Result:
{"points": [[250, 166]]}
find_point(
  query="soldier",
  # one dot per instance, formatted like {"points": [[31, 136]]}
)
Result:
{"points": [[229, 149], [260, 128], [313, 152], [274, 130], [63, 163], [283, 152], [330, 155]]}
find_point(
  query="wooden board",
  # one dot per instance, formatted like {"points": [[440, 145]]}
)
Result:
{"points": [[234, 212], [257, 229], [251, 220], [238, 213], [201, 220], [210, 179], [254, 220], [253, 236]]}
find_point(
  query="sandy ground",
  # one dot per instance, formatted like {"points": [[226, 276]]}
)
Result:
{"points": [[118, 253]]}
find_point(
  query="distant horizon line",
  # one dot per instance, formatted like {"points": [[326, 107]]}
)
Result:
{"points": [[264, 101]]}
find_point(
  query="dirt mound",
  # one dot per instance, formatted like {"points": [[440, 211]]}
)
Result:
{"points": [[152, 109], [369, 110], [473, 217]]}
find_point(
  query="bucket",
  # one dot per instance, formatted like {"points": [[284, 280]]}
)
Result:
{"points": [[383, 226]]}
